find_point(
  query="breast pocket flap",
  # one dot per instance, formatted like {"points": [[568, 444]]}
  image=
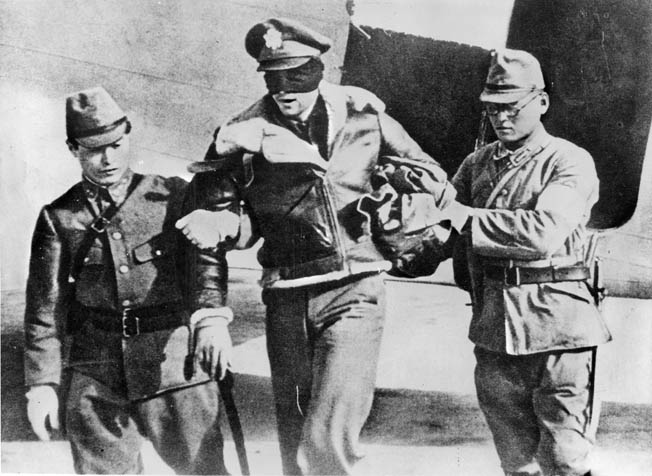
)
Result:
{"points": [[158, 247]]}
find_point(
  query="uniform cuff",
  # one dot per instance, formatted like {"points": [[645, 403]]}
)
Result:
{"points": [[211, 315], [40, 391]]}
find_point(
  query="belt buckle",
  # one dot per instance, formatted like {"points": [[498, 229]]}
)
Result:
{"points": [[99, 225], [130, 323], [512, 276]]}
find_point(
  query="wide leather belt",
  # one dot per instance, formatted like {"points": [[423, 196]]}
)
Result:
{"points": [[134, 321], [515, 276]]}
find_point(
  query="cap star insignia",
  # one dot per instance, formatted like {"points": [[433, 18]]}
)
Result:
{"points": [[273, 39]]}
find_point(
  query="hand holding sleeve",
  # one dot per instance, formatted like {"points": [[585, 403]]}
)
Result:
{"points": [[243, 136], [206, 229], [458, 215], [281, 146]]}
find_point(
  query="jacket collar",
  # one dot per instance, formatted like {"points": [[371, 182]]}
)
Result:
{"points": [[537, 141], [117, 191], [335, 100]]}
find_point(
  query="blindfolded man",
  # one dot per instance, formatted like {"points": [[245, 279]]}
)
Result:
{"points": [[299, 160]]}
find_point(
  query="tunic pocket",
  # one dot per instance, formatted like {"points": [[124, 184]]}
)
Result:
{"points": [[573, 289], [160, 246]]}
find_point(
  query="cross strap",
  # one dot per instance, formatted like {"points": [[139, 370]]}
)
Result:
{"points": [[96, 228], [514, 166]]}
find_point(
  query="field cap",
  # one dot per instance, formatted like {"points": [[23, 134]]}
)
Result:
{"points": [[94, 119], [513, 74], [281, 43]]}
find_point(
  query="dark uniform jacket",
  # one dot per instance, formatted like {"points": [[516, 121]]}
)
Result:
{"points": [[140, 261], [308, 216], [536, 218]]}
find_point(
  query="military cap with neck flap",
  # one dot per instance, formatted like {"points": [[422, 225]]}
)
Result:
{"points": [[513, 74]]}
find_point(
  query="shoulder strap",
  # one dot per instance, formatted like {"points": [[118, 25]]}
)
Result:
{"points": [[96, 228], [516, 164]]}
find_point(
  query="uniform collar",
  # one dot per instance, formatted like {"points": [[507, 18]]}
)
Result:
{"points": [[538, 140], [117, 191]]}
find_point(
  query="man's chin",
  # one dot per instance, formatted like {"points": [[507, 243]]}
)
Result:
{"points": [[108, 180], [507, 136], [506, 133], [289, 112]]}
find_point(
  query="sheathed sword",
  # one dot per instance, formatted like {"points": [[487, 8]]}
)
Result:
{"points": [[226, 390]]}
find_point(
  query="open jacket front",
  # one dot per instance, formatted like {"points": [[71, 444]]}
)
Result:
{"points": [[307, 215]]}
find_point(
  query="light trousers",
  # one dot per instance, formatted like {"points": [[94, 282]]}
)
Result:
{"points": [[323, 343], [540, 409]]}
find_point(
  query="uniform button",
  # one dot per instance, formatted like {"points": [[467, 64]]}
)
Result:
{"points": [[126, 303], [158, 252], [117, 235], [504, 191], [124, 268], [87, 259]]}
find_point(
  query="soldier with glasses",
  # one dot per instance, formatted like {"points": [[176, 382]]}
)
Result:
{"points": [[535, 322]]}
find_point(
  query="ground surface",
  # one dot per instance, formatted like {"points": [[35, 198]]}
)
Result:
{"points": [[425, 418]]}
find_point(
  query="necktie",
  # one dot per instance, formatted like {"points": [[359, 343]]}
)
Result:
{"points": [[303, 130]]}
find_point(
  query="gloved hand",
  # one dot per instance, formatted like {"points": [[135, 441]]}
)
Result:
{"points": [[206, 229], [42, 405], [458, 214], [212, 348], [240, 136], [280, 146]]}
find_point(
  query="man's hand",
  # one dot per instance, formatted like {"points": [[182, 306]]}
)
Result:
{"points": [[240, 136], [206, 229], [213, 350], [42, 405], [442, 191], [280, 146], [458, 214]]}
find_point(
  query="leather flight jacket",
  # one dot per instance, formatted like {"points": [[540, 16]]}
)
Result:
{"points": [[306, 215]]}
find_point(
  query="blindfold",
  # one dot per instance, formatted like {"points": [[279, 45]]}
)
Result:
{"points": [[302, 79]]}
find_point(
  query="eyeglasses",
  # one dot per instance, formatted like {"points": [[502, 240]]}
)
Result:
{"points": [[510, 110]]}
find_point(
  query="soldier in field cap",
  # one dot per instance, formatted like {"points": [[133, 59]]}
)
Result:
{"points": [[300, 159], [94, 119], [108, 274], [513, 75], [536, 324]]}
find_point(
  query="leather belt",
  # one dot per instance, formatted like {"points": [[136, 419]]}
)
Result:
{"points": [[516, 275], [134, 321]]}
